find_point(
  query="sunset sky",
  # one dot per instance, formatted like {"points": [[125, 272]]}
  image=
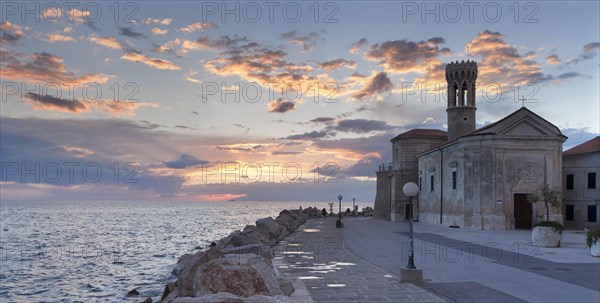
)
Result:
{"points": [[271, 101]]}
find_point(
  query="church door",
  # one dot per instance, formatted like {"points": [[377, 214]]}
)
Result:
{"points": [[522, 212]]}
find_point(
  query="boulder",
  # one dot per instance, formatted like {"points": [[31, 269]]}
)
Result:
{"points": [[271, 228], [265, 299], [253, 231], [242, 279], [238, 239], [169, 288], [185, 279], [133, 293]]}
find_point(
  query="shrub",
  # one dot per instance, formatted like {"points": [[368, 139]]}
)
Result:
{"points": [[592, 236], [557, 226]]}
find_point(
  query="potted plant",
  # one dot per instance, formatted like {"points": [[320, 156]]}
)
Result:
{"points": [[547, 233], [591, 241]]}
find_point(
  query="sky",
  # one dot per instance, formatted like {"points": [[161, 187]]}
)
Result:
{"points": [[266, 101]]}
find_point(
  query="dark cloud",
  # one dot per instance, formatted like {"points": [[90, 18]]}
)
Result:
{"points": [[9, 33], [307, 42], [281, 106], [356, 46], [49, 102], [337, 63], [280, 152], [569, 75], [129, 32], [376, 85], [361, 126], [326, 120], [310, 135], [43, 67], [184, 161]]}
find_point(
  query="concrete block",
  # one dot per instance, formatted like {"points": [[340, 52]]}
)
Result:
{"points": [[408, 275]]}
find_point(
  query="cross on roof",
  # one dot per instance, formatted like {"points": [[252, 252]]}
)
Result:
{"points": [[523, 101]]}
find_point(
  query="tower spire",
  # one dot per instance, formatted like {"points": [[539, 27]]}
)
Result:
{"points": [[461, 77]]}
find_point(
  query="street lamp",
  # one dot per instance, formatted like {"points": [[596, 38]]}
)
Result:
{"points": [[410, 190], [338, 223]]}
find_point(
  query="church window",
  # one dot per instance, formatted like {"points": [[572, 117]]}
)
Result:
{"points": [[454, 179], [591, 181], [570, 181], [431, 180]]}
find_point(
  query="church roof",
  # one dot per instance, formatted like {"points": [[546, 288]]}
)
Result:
{"points": [[422, 132], [586, 147], [521, 123], [519, 118]]}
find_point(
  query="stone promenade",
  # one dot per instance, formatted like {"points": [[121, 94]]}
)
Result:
{"points": [[327, 271]]}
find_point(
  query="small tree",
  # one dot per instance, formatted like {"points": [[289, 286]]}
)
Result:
{"points": [[551, 196]]}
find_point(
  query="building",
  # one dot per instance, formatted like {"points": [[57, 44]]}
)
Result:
{"points": [[581, 166], [476, 178]]}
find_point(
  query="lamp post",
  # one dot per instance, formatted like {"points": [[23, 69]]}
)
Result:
{"points": [[410, 190], [338, 223]]}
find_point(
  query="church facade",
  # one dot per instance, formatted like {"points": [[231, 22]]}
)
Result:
{"points": [[468, 177]]}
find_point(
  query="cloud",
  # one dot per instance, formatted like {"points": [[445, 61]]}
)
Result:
{"points": [[284, 153], [501, 62], [10, 33], [184, 161], [361, 126], [159, 32], [310, 135], [569, 75], [256, 63], [46, 102], [59, 38], [109, 42], [129, 32], [356, 46], [243, 147], [374, 86], [43, 67], [199, 26], [337, 63], [153, 62], [75, 106], [403, 56], [589, 51], [553, 59], [308, 42], [326, 120], [165, 21], [281, 106]]}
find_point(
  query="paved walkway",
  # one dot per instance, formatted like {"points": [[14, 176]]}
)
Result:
{"points": [[481, 266], [328, 272]]}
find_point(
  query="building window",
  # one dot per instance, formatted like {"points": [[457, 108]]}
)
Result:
{"points": [[420, 183], [570, 181], [431, 179], [570, 213], [591, 180], [454, 180], [395, 154], [591, 213]]}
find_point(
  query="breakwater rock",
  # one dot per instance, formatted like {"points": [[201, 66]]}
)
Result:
{"points": [[239, 267]]}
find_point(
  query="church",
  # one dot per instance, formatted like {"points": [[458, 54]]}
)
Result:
{"points": [[468, 177]]}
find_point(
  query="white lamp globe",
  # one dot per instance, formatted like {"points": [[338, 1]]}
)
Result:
{"points": [[410, 189]]}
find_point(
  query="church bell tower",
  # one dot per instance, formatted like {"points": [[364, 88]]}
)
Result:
{"points": [[461, 109]]}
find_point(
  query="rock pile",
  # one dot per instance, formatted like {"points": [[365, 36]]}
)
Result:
{"points": [[239, 267]]}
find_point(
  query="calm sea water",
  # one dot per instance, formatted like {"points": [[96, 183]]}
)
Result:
{"points": [[98, 251]]}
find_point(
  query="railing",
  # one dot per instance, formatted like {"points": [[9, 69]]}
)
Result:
{"points": [[386, 167]]}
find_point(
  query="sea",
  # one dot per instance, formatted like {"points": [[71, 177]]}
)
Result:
{"points": [[98, 251]]}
